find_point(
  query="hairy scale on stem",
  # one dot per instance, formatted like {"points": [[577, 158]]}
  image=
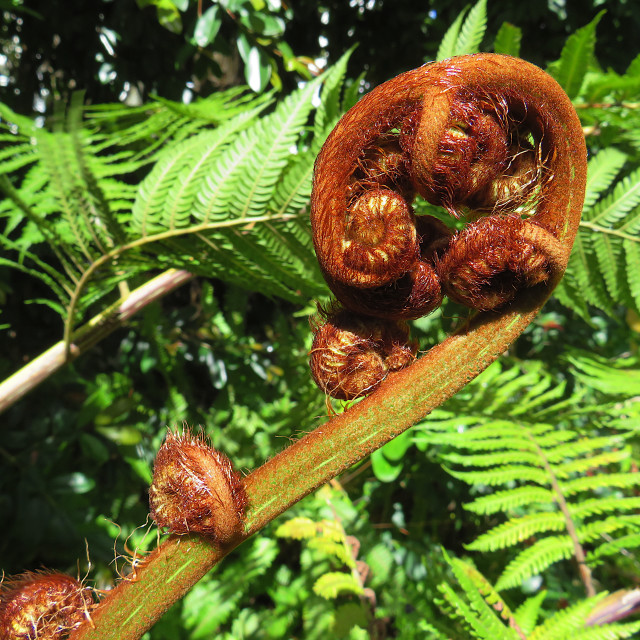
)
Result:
{"points": [[472, 135]]}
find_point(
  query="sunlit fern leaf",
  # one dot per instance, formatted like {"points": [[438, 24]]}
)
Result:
{"points": [[329, 109], [529, 611], [227, 202], [517, 530], [253, 182], [604, 166], [507, 41], [472, 30], [602, 270], [616, 547], [526, 496], [524, 466], [476, 607], [293, 191], [219, 106], [17, 155], [575, 58], [619, 378], [565, 622], [475, 604], [447, 46], [466, 32]]}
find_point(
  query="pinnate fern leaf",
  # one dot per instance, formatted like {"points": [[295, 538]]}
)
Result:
{"points": [[602, 270], [466, 32], [526, 467]]}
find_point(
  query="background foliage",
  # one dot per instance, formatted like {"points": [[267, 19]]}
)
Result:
{"points": [[165, 161]]}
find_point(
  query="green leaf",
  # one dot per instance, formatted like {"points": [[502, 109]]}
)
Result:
{"points": [[207, 26], [448, 44], [508, 39], [528, 612], [333, 584], [601, 172], [384, 469], [576, 56], [465, 37], [257, 66]]}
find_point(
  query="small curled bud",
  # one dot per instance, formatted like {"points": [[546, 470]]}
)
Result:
{"points": [[491, 259], [380, 241], [195, 489], [352, 354], [42, 606]]}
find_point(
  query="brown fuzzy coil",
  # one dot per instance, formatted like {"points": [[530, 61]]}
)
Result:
{"points": [[43, 605], [483, 136], [351, 354], [490, 260], [195, 489]]}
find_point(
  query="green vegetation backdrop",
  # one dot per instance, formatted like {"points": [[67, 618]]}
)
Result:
{"points": [[141, 138]]}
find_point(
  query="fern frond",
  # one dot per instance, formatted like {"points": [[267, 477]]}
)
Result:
{"points": [[329, 109], [615, 547], [563, 624], [528, 612], [447, 46], [604, 166], [534, 560], [501, 475], [466, 33], [592, 483], [510, 500], [558, 487], [225, 202], [507, 40], [606, 251], [575, 58], [517, 530]]}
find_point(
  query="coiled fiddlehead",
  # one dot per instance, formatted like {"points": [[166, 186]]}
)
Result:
{"points": [[487, 137]]}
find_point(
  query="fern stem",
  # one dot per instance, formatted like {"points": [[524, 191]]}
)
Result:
{"points": [[612, 232], [99, 327], [404, 398], [578, 551]]}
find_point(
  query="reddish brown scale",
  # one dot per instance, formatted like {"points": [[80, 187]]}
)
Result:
{"points": [[490, 260], [195, 489], [42, 606], [351, 355]]}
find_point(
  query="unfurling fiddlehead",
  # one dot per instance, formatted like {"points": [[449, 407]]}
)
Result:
{"points": [[195, 489], [489, 138]]}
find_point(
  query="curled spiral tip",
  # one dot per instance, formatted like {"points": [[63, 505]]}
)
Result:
{"points": [[351, 355], [491, 259], [195, 489], [488, 137]]}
